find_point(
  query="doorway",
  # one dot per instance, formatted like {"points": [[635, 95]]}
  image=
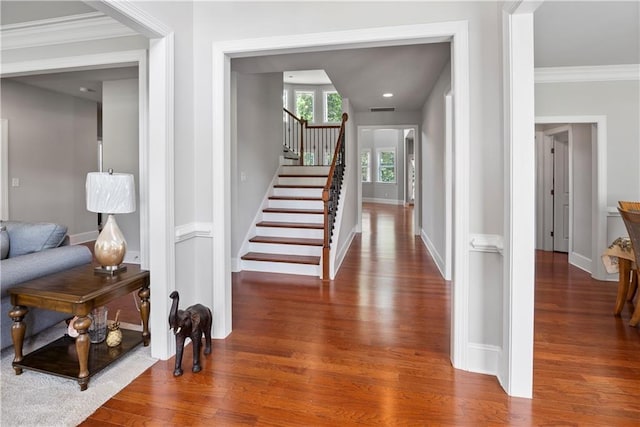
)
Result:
{"points": [[568, 162]]}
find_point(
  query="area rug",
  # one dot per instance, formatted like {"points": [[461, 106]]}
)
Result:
{"points": [[37, 399]]}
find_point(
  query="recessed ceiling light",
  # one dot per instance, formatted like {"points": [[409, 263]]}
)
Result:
{"points": [[86, 89], [387, 95]]}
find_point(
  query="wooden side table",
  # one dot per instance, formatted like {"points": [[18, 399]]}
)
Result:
{"points": [[77, 291]]}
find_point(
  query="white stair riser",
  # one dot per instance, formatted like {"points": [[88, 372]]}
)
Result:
{"points": [[273, 248], [304, 170], [301, 181], [297, 218], [298, 192], [281, 267], [300, 233], [296, 204]]}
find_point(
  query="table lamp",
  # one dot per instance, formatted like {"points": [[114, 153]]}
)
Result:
{"points": [[110, 193]]}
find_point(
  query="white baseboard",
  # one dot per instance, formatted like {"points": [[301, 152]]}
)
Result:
{"points": [[580, 261], [88, 236], [431, 248], [342, 252], [382, 201], [483, 358]]}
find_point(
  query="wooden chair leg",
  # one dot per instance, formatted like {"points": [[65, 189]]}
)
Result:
{"points": [[624, 266], [633, 285]]}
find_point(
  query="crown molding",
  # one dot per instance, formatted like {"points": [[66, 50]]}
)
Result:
{"points": [[67, 29], [598, 73]]}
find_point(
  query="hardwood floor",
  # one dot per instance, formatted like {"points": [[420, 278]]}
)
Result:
{"points": [[372, 348]]}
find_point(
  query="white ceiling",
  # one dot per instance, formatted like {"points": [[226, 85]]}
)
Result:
{"points": [[306, 77], [363, 75], [566, 34], [70, 83]]}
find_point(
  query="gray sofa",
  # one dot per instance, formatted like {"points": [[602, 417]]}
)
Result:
{"points": [[29, 251]]}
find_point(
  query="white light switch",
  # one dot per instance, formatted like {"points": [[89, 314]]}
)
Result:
{"points": [[15, 182], [243, 177]]}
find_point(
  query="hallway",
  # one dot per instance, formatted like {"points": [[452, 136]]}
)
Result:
{"points": [[372, 348]]}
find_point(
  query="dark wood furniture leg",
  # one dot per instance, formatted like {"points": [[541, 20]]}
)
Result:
{"points": [[82, 348], [145, 307], [624, 266], [18, 329]]}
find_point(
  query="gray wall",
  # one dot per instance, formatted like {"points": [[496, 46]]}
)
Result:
{"points": [[120, 148], [582, 190], [258, 147], [373, 139], [433, 162], [619, 101], [52, 146]]}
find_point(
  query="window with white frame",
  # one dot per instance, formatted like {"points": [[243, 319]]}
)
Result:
{"points": [[365, 165], [304, 105], [332, 107], [386, 162]]}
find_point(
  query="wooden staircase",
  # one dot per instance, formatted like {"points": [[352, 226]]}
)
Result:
{"points": [[289, 236]]}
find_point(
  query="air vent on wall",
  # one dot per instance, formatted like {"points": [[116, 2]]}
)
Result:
{"points": [[377, 109]]}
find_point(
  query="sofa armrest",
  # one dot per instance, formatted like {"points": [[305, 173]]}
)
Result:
{"points": [[31, 266]]}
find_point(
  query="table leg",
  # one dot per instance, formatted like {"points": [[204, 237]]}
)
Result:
{"points": [[82, 348], [18, 329], [624, 266], [145, 308]]}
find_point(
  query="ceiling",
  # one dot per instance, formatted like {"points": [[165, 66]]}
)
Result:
{"points": [[363, 75], [566, 34]]}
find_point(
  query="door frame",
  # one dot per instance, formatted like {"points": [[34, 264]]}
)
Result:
{"points": [[455, 31], [156, 98], [598, 187]]}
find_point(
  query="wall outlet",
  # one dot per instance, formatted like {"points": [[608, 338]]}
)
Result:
{"points": [[15, 182]]}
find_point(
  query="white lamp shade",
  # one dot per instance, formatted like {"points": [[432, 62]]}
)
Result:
{"points": [[110, 193]]}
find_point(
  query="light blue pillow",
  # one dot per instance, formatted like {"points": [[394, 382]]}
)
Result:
{"points": [[4, 242], [28, 237]]}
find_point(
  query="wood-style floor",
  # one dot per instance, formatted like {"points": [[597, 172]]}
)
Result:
{"points": [[372, 348]]}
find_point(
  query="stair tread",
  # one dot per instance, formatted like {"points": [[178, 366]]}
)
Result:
{"points": [[297, 186], [295, 198], [287, 240], [294, 211], [294, 259], [290, 224]]}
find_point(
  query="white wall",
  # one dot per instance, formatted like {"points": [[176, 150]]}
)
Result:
{"points": [[433, 165], [258, 147], [582, 235], [52, 146], [120, 147], [376, 139]]}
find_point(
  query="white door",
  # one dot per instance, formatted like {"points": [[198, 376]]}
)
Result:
{"points": [[560, 195]]}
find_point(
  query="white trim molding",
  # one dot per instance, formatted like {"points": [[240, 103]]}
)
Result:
{"points": [[87, 236], [599, 73], [66, 29], [486, 243], [483, 358], [193, 230], [4, 169], [613, 212]]}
